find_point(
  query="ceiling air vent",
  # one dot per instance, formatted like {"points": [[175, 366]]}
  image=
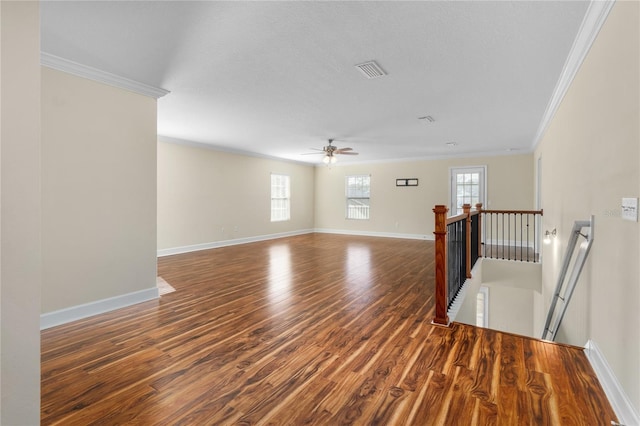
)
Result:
{"points": [[371, 69], [427, 119]]}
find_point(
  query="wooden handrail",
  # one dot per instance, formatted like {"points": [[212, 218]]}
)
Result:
{"points": [[457, 218], [514, 211]]}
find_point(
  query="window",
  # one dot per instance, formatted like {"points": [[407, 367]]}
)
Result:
{"points": [[358, 191], [467, 187], [280, 198], [482, 307]]}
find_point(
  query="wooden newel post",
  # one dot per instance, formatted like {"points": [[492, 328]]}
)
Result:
{"points": [[479, 209], [466, 209], [441, 265]]}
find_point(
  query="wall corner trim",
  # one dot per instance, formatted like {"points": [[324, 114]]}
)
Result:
{"points": [[65, 65], [73, 313], [594, 18], [618, 399]]}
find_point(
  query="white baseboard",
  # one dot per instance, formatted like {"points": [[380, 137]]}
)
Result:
{"points": [[620, 402], [63, 316], [226, 243], [375, 234]]}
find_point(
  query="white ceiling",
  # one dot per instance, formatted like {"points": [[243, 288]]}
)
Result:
{"points": [[278, 78]]}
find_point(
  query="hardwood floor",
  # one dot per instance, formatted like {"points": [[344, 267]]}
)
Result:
{"points": [[314, 329]]}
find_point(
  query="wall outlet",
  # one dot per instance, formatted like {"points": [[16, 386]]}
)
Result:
{"points": [[630, 209]]}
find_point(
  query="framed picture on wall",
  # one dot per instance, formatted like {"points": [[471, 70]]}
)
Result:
{"points": [[407, 182]]}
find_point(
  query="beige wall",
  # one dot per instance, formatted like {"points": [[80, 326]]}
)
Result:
{"points": [[98, 191], [408, 210], [207, 196], [590, 159], [513, 290], [20, 210]]}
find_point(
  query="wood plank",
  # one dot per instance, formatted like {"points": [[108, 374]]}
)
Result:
{"points": [[313, 329]]}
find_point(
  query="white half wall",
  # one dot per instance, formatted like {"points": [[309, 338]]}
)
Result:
{"points": [[98, 191]]}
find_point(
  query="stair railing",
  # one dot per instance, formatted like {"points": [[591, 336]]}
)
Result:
{"points": [[512, 234], [461, 240], [458, 247]]}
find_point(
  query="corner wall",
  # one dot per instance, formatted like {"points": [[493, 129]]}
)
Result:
{"points": [[407, 211], [99, 194], [208, 197], [20, 213], [590, 160]]}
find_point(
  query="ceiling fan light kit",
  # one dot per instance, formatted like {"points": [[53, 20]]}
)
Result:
{"points": [[329, 159], [330, 151]]}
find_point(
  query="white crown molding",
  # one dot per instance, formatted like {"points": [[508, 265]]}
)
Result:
{"points": [[594, 18], [620, 402], [73, 313], [65, 65]]}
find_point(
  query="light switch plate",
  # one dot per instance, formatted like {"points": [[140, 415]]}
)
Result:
{"points": [[630, 209]]}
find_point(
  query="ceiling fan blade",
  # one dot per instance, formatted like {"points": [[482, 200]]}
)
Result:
{"points": [[312, 153], [346, 153], [343, 149]]}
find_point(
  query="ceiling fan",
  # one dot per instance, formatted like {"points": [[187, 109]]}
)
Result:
{"points": [[330, 151]]}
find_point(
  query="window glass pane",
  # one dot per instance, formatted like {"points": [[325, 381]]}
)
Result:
{"points": [[358, 208], [280, 198], [358, 186], [357, 191], [467, 187]]}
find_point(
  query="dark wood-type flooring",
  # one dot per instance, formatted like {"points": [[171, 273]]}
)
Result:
{"points": [[313, 329]]}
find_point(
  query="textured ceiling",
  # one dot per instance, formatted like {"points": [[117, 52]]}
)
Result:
{"points": [[278, 78]]}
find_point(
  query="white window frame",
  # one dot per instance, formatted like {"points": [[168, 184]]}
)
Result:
{"points": [[453, 187], [280, 200], [350, 213], [482, 307]]}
